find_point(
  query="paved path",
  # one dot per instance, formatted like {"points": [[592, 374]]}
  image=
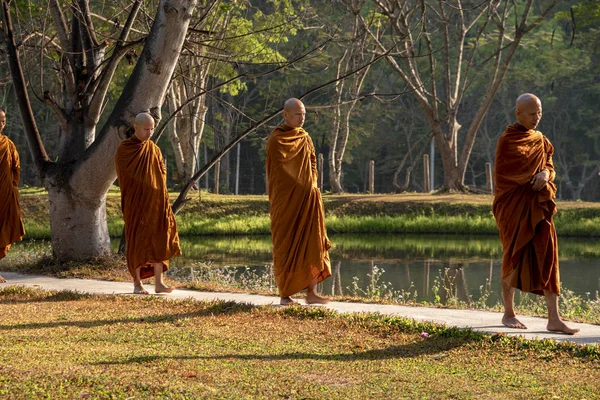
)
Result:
{"points": [[483, 321]]}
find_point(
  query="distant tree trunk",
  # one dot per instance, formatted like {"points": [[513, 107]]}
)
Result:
{"points": [[346, 96]]}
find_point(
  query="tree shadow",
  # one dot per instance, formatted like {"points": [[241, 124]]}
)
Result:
{"points": [[214, 308], [431, 346], [63, 295]]}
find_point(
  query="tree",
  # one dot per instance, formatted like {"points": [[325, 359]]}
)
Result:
{"points": [[442, 46], [347, 91], [79, 178]]}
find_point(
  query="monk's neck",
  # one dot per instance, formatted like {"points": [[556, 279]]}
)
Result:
{"points": [[286, 127], [521, 127]]}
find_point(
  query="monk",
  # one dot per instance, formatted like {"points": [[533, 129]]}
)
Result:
{"points": [[150, 228], [300, 243], [523, 207], [11, 224]]}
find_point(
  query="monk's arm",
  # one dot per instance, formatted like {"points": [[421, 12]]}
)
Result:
{"points": [[16, 167], [549, 163], [313, 163]]}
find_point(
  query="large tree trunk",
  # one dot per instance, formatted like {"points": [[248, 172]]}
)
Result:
{"points": [[78, 225]]}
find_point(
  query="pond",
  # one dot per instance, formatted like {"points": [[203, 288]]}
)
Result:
{"points": [[419, 266], [433, 268]]}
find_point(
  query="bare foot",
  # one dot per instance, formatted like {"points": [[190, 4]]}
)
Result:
{"points": [[313, 298], [288, 301], [560, 326], [139, 289], [2, 280], [513, 322], [162, 289]]}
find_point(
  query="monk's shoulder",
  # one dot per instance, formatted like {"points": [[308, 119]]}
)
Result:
{"points": [[9, 143], [273, 136], [548, 147], [121, 147]]}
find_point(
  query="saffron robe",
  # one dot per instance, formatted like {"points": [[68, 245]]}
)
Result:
{"points": [[300, 243], [11, 224], [524, 216], [150, 227]]}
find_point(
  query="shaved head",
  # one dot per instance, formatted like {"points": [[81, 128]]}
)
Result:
{"points": [[527, 99], [143, 126], [2, 120], [529, 110], [294, 113], [143, 118]]}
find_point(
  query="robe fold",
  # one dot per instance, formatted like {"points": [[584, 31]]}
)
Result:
{"points": [[300, 243], [524, 216], [150, 227], [11, 224]]}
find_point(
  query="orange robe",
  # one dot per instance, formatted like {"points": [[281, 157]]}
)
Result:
{"points": [[150, 227], [298, 231], [11, 224], [524, 216]]}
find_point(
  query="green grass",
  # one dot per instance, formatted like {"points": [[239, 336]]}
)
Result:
{"points": [[68, 345], [209, 214]]}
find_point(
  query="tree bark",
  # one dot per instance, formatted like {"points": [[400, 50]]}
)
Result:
{"points": [[78, 225]]}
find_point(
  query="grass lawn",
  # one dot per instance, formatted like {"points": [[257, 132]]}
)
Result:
{"points": [[67, 345], [210, 214]]}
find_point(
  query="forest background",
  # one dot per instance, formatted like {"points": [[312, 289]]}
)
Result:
{"points": [[415, 76]]}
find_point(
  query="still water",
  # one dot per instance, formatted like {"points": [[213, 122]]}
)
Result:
{"points": [[420, 266], [417, 267]]}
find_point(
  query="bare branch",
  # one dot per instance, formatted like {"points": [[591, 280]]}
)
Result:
{"points": [[36, 147], [103, 82]]}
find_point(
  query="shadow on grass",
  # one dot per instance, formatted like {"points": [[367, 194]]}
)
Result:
{"points": [[211, 309], [431, 346]]}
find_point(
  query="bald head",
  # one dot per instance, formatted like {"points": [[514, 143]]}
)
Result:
{"points": [[2, 120], [143, 126], [294, 113], [528, 110]]}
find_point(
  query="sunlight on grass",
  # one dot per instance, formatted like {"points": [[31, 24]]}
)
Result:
{"points": [[65, 345]]}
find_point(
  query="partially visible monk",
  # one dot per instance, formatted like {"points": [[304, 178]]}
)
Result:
{"points": [[523, 207], [11, 224], [150, 228], [300, 243]]}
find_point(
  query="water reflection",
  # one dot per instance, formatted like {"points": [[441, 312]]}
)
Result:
{"points": [[421, 267], [418, 267]]}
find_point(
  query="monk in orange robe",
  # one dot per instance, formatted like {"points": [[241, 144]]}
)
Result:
{"points": [[150, 228], [11, 225], [523, 207], [300, 243]]}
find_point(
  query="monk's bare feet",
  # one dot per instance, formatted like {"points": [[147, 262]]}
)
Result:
{"points": [[313, 298], [512, 322], [560, 326], [287, 301], [2, 280], [162, 289], [139, 289]]}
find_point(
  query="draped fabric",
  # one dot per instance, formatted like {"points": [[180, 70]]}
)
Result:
{"points": [[298, 231], [524, 216], [11, 224], [150, 227]]}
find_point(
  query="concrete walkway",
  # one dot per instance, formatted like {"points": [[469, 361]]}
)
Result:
{"points": [[482, 321]]}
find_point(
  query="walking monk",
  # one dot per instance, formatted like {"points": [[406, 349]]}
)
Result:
{"points": [[523, 207], [150, 228], [300, 243], [11, 225]]}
